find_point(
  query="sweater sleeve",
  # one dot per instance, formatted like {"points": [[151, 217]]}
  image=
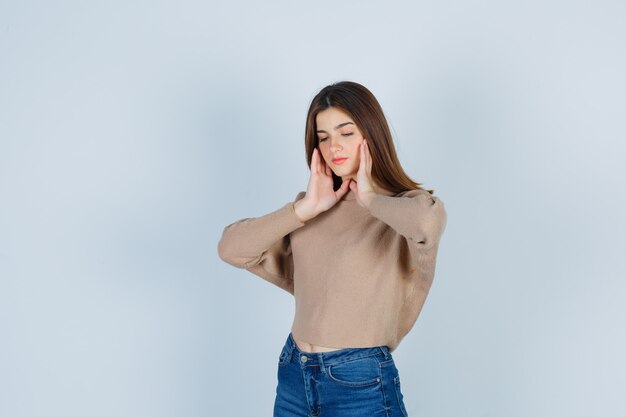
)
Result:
{"points": [[417, 215], [262, 244]]}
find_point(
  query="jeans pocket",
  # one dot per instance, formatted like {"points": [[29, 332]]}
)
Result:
{"points": [[355, 373], [399, 396]]}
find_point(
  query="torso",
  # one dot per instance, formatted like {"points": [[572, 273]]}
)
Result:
{"points": [[310, 348]]}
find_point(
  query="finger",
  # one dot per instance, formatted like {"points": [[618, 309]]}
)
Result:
{"points": [[365, 155], [328, 170], [344, 188], [368, 158], [362, 162], [315, 162], [322, 164], [324, 167]]}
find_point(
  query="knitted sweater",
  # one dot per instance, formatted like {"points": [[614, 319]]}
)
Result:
{"points": [[360, 276]]}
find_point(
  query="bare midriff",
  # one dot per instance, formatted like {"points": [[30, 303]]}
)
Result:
{"points": [[310, 348]]}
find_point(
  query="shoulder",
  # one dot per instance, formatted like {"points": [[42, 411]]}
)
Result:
{"points": [[421, 196], [412, 193], [418, 193]]}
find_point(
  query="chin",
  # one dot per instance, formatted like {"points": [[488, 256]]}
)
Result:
{"points": [[343, 171]]}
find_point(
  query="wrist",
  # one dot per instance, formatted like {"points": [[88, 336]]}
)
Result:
{"points": [[300, 212], [366, 198]]}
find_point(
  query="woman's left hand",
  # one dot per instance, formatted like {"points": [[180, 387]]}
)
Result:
{"points": [[364, 187]]}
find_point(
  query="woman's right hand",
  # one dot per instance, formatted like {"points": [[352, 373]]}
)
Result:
{"points": [[320, 195]]}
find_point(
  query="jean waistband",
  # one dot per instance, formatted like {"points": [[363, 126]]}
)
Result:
{"points": [[334, 356]]}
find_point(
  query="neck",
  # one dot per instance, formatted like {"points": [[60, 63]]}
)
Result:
{"points": [[377, 188]]}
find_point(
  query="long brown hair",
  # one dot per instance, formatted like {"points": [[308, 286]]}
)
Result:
{"points": [[358, 102]]}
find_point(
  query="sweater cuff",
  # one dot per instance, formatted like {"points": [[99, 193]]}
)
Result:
{"points": [[293, 220]]}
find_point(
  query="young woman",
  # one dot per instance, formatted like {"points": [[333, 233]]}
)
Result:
{"points": [[357, 250]]}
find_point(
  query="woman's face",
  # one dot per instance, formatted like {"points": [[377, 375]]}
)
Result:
{"points": [[339, 137]]}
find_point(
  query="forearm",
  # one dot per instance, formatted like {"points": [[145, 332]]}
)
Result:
{"points": [[421, 217], [246, 239]]}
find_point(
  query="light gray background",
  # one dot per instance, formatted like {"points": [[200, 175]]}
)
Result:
{"points": [[131, 133]]}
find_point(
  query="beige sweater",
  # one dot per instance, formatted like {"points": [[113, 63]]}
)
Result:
{"points": [[359, 276]]}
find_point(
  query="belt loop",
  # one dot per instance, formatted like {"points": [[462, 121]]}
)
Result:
{"points": [[385, 351], [320, 358], [290, 347]]}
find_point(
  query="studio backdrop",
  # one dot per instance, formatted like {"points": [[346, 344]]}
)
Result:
{"points": [[132, 133]]}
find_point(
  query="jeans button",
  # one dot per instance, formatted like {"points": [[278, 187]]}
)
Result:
{"points": [[303, 358]]}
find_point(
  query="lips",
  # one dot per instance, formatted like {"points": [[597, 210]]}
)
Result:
{"points": [[338, 160]]}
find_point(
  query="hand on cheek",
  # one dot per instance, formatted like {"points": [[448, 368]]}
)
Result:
{"points": [[364, 187]]}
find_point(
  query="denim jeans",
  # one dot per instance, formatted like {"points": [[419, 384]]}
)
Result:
{"points": [[350, 382]]}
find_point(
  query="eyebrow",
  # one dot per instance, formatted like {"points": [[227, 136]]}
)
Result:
{"points": [[336, 127]]}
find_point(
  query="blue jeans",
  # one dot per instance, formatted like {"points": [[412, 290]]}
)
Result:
{"points": [[351, 382]]}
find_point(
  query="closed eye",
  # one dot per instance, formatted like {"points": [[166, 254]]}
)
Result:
{"points": [[343, 134]]}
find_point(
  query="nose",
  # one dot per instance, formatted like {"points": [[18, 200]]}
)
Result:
{"points": [[334, 145]]}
